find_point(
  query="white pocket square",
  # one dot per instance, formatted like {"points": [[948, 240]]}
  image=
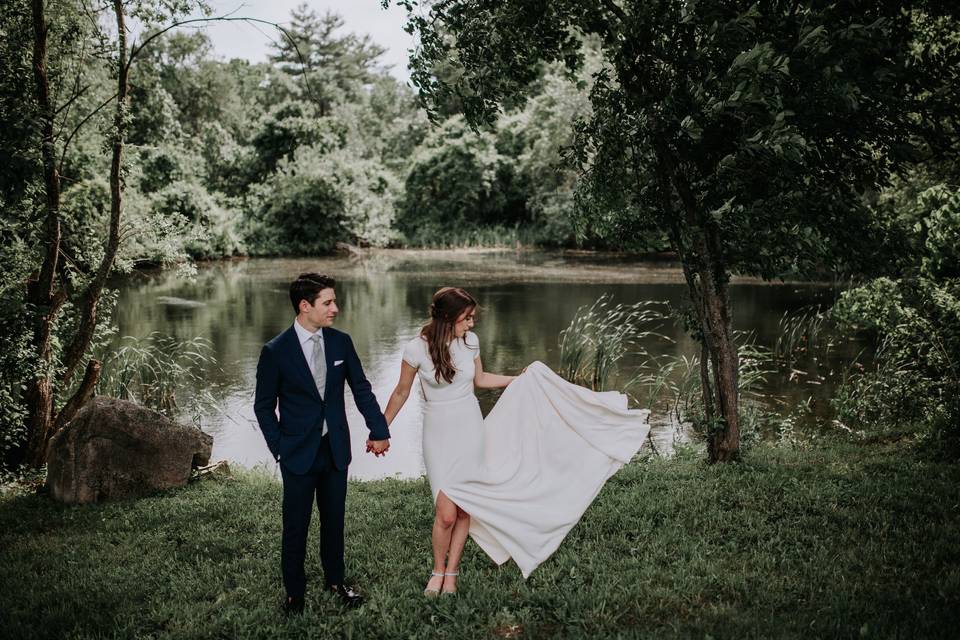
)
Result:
{"points": [[337, 363]]}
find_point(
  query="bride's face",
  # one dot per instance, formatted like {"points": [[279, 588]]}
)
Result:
{"points": [[464, 323]]}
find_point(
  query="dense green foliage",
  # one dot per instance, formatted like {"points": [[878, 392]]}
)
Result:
{"points": [[831, 540], [788, 138], [765, 125], [750, 135], [915, 382], [318, 145], [911, 312]]}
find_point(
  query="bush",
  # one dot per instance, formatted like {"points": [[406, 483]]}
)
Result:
{"points": [[459, 180], [17, 365], [317, 199], [206, 227], [942, 256], [914, 383]]}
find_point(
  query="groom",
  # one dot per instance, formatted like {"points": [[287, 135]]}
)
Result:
{"points": [[303, 370]]}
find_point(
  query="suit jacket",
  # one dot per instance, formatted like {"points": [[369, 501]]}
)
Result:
{"points": [[284, 381]]}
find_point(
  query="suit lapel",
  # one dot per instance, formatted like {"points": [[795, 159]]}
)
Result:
{"points": [[300, 361]]}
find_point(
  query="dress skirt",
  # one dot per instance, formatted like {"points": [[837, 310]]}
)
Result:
{"points": [[527, 472]]}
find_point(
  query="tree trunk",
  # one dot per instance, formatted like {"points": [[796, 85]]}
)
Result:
{"points": [[42, 421], [696, 298], [709, 291], [724, 440], [91, 298], [41, 298]]}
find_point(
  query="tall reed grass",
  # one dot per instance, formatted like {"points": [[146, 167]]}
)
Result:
{"points": [[160, 372], [800, 333], [598, 337], [601, 335], [671, 383], [470, 237]]}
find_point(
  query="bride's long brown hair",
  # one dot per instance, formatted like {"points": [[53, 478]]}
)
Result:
{"points": [[448, 304]]}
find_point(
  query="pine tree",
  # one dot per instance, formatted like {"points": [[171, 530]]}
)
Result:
{"points": [[328, 66]]}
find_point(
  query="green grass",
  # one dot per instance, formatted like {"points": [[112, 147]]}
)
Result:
{"points": [[839, 540]]}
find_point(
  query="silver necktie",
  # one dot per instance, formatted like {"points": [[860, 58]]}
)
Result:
{"points": [[319, 363]]}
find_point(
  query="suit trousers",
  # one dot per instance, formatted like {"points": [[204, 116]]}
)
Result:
{"points": [[328, 486]]}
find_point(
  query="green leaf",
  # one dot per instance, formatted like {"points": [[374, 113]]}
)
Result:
{"points": [[811, 35]]}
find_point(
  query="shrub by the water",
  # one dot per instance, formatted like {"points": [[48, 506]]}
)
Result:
{"points": [[913, 388]]}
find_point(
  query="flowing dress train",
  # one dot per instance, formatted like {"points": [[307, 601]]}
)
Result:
{"points": [[527, 472]]}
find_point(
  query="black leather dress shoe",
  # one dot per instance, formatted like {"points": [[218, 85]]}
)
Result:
{"points": [[347, 595], [292, 606]]}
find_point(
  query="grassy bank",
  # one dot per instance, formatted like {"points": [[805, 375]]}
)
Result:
{"points": [[837, 541]]}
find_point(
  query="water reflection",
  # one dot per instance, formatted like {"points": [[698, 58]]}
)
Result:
{"points": [[527, 299]]}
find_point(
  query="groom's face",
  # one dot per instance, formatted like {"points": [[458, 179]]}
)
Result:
{"points": [[323, 311]]}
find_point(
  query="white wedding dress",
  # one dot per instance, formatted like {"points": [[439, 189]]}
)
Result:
{"points": [[527, 472]]}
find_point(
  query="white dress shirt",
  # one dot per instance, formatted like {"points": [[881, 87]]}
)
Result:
{"points": [[306, 344]]}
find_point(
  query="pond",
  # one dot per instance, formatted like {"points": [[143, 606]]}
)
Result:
{"points": [[527, 299]]}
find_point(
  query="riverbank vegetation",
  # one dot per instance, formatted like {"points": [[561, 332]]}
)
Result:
{"points": [[832, 538]]}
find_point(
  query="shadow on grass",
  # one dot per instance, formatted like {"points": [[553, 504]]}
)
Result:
{"points": [[838, 540]]}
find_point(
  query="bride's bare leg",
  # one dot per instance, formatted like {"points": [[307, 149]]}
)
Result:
{"points": [[443, 525], [458, 539]]}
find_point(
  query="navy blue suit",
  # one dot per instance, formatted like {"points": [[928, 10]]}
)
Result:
{"points": [[312, 466]]}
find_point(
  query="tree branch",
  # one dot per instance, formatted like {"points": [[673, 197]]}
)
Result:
{"points": [[77, 91], [73, 98], [615, 10], [82, 395], [135, 50], [88, 311], [44, 284], [76, 129]]}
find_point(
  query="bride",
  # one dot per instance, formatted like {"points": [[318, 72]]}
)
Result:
{"points": [[519, 480]]}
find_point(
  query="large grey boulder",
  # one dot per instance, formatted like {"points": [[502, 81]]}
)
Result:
{"points": [[118, 449]]}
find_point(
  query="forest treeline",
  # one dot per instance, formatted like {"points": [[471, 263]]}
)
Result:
{"points": [[318, 145], [321, 144]]}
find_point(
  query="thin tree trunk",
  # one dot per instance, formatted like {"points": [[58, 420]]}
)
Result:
{"points": [[42, 288], [45, 302], [696, 295], [43, 422], [91, 298], [706, 389], [712, 290], [724, 441], [82, 395], [698, 300]]}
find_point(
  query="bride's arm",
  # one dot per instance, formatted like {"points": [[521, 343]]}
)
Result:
{"points": [[483, 380], [401, 392]]}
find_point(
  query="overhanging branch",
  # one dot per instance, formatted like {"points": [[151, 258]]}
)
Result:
{"points": [[134, 51]]}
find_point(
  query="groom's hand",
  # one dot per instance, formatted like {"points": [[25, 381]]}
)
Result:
{"points": [[378, 447]]}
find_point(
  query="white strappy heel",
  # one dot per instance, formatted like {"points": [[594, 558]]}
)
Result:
{"points": [[433, 593], [449, 593]]}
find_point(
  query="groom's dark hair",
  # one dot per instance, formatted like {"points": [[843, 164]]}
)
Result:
{"points": [[307, 287]]}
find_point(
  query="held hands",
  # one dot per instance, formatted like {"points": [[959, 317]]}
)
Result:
{"points": [[378, 447]]}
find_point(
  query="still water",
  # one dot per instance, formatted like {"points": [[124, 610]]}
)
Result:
{"points": [[527, 300]]}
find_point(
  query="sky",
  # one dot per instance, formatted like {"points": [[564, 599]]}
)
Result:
{"points": [[244, 40]]}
